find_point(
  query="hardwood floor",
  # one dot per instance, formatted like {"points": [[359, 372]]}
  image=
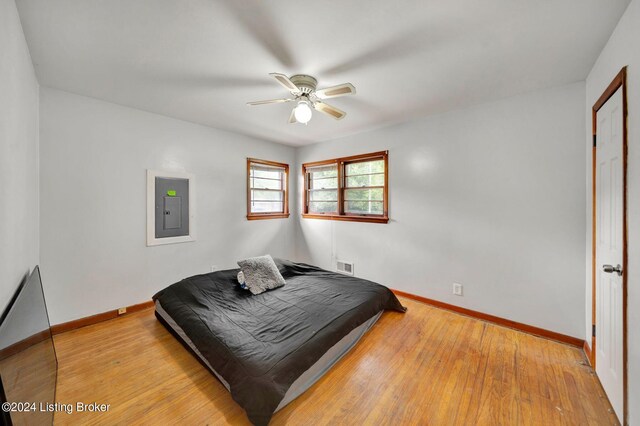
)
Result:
{"points": [[29, 375], [428, 366]]}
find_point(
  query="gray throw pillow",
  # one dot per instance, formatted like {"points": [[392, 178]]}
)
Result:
{"points": [[261, 274]]}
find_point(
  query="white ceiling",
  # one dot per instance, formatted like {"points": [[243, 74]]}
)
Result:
{"points": [[201, 61]]}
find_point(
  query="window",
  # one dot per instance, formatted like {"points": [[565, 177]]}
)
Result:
{"points": [[323, 189], [351, 188], [267, 189]]}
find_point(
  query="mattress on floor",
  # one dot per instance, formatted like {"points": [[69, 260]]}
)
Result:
{"points": [[307, 379], [260, 345]]}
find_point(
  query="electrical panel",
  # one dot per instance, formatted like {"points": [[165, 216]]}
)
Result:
{"points": [[171, 207]]}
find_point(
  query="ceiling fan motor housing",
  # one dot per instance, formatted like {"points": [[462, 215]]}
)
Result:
{"points": [[305, 83]]}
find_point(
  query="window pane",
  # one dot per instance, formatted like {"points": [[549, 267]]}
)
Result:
{"points": [[323, 171], [363, 207], [266, 172], [323, 177], [364, 167], [267, 207], [323, 195], [323, 183], [365, 180], [266, 183], [323, 207], [257, 195], [373, 194]]}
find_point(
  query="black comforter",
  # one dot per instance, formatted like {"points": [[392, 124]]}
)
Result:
{"points": [[261, 344]]}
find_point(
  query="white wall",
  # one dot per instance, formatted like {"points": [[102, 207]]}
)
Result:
{"points": [[622, 49], [93, 218], [18, 155], [491, 197]]}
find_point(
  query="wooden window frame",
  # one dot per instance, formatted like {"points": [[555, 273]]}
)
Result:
{"points": [[260, 216], [340, 164]]}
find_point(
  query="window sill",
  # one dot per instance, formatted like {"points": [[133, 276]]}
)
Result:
{"points": [[347, 218], [268, 216]]}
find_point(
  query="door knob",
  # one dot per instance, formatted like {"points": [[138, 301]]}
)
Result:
{"points": [[610, 269]]}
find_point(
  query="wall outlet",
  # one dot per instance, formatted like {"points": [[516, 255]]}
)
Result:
{"points": [[122, 311], [457, 289], [214, 268]]}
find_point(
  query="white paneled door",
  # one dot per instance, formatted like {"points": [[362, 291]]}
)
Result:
{"points": [[609, 250]]}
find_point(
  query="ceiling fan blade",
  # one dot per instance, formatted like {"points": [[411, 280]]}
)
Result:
{"points": [[396, 48], [270, 101], [330, 110], [286, 83], [258, 23], [335, 91], [292, 117]]}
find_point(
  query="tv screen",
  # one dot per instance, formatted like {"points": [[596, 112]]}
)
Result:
{"points": [[28, 364]]}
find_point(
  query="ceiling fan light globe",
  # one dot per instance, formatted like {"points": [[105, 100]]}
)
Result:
{"points": [[302, 112]]}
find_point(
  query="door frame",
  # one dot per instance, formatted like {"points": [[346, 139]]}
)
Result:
{"points": [[620, 81]]}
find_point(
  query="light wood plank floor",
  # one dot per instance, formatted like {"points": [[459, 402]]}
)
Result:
{"points": [[428, 366]]}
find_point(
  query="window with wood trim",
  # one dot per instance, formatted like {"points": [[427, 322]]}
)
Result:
{"points": [[322, 192], [267, 189], [351, 188]]}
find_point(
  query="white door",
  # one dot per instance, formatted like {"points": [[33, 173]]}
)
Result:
{"points": [[609, 236]]}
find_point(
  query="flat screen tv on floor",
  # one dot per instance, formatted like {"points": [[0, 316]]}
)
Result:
{"points": [[28, 363]]}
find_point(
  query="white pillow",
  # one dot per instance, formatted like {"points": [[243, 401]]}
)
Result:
{"points": [[261, 274]]}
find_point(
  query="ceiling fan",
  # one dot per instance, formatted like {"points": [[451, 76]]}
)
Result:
{"points": [[303, 89]]}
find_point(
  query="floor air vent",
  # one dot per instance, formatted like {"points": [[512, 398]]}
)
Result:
{"points": [[345, 267]]}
